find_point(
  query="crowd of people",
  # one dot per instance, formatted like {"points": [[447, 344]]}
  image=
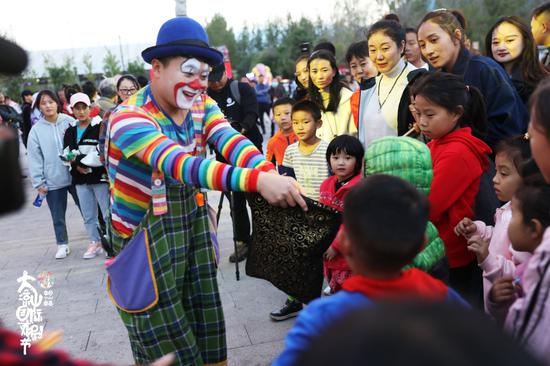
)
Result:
{"points": [[436, 157]]}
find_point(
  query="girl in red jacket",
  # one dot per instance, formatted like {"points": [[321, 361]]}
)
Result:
{"points": [[345, 157], [452, 115]]}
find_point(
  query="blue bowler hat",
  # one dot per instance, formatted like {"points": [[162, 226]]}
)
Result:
{"points": [[183, 36]]}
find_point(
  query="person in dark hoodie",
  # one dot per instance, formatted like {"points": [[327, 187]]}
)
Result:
{"points": [[510, 43], [26, 124], [441, 38], [88, 173], [452, 115], [238, 103]]}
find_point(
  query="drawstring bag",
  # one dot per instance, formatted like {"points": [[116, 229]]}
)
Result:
{"points": [[131, 282]]}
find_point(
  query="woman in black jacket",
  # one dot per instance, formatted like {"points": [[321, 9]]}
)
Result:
{"points": [[88, 173]]}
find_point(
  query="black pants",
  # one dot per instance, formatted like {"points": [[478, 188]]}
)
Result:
{"points": [[468, 282], [239, 214]]}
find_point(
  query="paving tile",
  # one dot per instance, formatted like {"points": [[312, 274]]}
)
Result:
{"points": [[237, 336], [255, 355]]}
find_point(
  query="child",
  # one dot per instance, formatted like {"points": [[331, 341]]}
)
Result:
{"points": [[491, 245], [88, 173], [345, 157], [451, 114], [528, 319], [307, 159], [360, 65], [276, 146], [376, 253], [307, 156], [410, 159]]}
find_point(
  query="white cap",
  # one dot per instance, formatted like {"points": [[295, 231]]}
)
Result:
{"points": [[79, 98]]}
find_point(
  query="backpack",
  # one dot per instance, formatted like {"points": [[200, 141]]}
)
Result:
{"points": [[234, 88]]}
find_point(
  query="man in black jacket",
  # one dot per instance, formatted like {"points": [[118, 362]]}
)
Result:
{"points": [[238, 103]]}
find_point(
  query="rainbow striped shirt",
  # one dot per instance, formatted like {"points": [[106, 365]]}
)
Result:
{"points": [[177, 151]]}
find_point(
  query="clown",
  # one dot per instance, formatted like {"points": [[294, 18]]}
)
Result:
{"points": [[157, 165]]}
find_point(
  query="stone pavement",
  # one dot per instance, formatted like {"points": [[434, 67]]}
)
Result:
{"points": [[82, 309]]}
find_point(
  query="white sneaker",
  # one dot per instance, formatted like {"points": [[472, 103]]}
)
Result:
{"points": [[93, 249], [327, 291], [62, 251]]}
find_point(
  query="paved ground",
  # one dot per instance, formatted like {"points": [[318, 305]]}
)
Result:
{"points": [[92, 328]]}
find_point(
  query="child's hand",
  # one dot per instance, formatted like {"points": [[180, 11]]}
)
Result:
{"points": [[503, 291], [466, 228], [479, 246], [330, 254]]}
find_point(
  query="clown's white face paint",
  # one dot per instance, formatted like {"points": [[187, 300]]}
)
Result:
{"points": [[194, 83]]}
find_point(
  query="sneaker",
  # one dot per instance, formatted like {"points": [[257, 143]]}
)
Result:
{"points": [[93, 249], [62, 251], [327, 291], [242, 252], [289, 310]]}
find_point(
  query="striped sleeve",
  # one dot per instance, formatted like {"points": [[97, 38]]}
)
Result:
{"points": [[233, 146], [133, 130]]}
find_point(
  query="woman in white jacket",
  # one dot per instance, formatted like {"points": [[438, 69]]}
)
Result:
{"points": [[332, 97], [50, 176]]}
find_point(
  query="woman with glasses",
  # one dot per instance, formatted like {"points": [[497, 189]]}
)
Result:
{"points": [[126, 86]]}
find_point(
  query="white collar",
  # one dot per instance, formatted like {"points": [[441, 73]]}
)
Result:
{"points": [[393, 73]]}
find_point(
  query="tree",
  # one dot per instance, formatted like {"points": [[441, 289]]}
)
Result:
{"points": [[136, 67], [62, 74], [88, 66], [220, 35], [111, 66], [350, 22], [243, 64], [295, 33]]}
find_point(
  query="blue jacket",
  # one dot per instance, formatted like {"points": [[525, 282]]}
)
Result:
{"points": [[262, 94], [506, 113], [322, 313]]}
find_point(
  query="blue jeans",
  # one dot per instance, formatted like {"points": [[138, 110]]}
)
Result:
{"points": [[90, 196], [57, 203]]}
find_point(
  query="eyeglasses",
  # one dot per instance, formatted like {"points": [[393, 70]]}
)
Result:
{"points": [[128, 91]]}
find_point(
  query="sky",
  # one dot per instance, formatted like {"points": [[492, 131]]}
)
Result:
{"points": [[61, 24]]}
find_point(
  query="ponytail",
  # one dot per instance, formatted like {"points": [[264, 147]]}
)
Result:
{"points": [[475, 113], [450, 92]]}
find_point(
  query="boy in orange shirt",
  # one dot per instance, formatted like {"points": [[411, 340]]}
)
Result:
{"points": [[285, 136]]}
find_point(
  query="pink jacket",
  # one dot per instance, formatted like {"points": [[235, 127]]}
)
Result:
{"points": [[502, 259], [528, 318]]}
